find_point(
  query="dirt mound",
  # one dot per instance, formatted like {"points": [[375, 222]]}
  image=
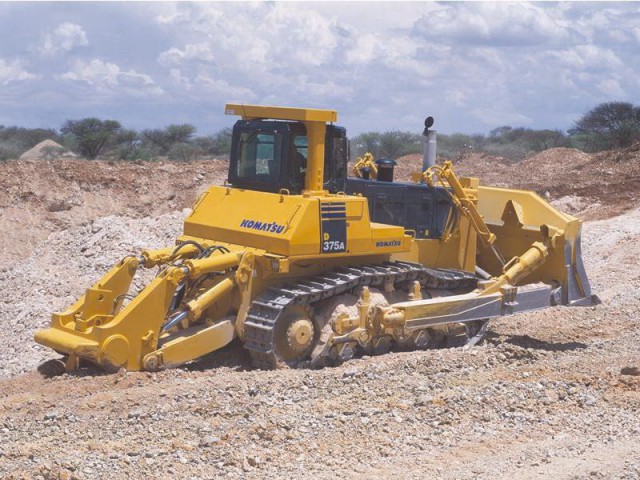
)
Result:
{"points": [[45, 196], [60, 270], [406, 166], [41, 151], [622, 156], [564, 158], [591, 185], [492, 170]]}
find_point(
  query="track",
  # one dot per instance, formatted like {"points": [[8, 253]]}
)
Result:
{"points": [[267, 310]]}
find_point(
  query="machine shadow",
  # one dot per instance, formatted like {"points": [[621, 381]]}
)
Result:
{"points": [[525, 341], [234, 356]]}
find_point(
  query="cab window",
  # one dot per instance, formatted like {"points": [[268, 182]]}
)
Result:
{"points": [[300, 153], [258, 157], [334, 163]]}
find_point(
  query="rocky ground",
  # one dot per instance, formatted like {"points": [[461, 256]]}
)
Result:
{"points": [[552, 393]]}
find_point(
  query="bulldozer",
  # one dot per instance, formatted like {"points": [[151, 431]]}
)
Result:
{"points": [[308, 266]]}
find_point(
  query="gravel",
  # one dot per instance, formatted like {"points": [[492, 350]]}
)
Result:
{"points": [[554, 393], [59, 272]]}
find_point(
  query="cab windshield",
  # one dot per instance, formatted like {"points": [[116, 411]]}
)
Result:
{"points": [[259, 157]]}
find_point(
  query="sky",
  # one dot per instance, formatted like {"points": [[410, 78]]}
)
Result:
{"points": [[383, 66]]}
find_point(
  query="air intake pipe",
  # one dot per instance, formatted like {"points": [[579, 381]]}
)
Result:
{"points": [[429, 152]]}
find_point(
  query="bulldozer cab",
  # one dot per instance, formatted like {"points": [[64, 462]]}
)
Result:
{"points": [[297, 149], [269, 155]]}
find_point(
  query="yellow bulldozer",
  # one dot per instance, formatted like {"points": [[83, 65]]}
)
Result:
{"points": [[308, 266]]}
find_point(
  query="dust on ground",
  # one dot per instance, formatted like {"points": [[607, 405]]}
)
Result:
{"points": [[552, 393]]}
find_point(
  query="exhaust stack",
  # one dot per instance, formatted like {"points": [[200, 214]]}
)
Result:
{"points": [[429, 153]]}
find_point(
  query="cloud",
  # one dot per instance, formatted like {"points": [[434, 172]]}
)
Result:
{"points": [[382, 65], [493, 23], [612, 88], [107, 77], [258, 37], [64, 38], [192, 52], [176, 76], [220, 88], [586, 57], [484, 64], [14, 72]]}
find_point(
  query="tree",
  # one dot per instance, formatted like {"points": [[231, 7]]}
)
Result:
{"points": [[390, 144], [456, 145], [396, 144], [500, 133], [25, 138], [163, 139], [128, 145], [90, 135], [50, 152], [9, 150], [183, 152], [366, 142], [217, 144], [608, 125], [540, 140]]}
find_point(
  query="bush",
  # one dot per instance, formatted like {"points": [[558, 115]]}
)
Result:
{"points": [[14, 141], [162, 140], [127, 145], [10, 150], [184, 152], [50, 152], [390, 144], [26, 138], [456, 145], [218, 144]]}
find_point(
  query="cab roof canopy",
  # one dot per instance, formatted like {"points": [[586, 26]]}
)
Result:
{"points": [[249, 112]]}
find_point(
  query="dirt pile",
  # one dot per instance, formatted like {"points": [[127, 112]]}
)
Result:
{"points": [[591, 185], [60, 270], [38, 197], [46, 148], [495, 171]]}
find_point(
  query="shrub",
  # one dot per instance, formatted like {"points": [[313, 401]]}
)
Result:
{"points": [[217, 144], [162, 140], [183, 152], [50, 152], [9, 150]]}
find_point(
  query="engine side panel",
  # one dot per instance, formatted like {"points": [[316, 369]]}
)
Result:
{"points": [[414, 206], [293, 225]]}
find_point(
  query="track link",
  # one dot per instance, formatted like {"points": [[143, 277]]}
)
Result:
{"points": [[259, 326]]}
